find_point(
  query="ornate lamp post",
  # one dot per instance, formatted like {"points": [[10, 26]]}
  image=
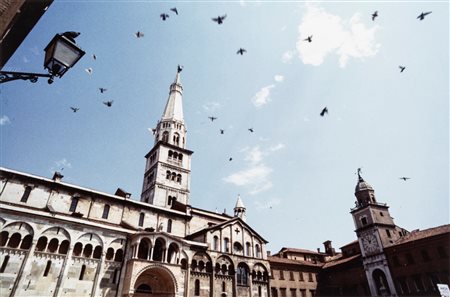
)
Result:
{"points": [[61, 54]]}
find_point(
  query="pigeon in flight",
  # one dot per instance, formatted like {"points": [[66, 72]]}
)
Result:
{"points": [[139, 34], [423, 14], [219, 19], [309, 38], [222, 131], [251, 130], [241, 51], [108, 103], [179, 68], [102, 90], [94, 57], [402, 68], [212, 118], [324, 111], [174, 10], [88, 70], [404, 178], [374, 15], [230, 159], [74, 109], [164, 16]]}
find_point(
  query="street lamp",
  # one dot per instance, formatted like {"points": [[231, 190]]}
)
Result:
{"points": [[61, 54]]}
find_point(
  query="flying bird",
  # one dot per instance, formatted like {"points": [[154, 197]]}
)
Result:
{"points": [[212, 118], [219, 19], [309, 38], [94, 57], [251, 130], [179, 68], [374, 15], [222, 131], [230, 159], [404, 178], [241, 51], [402, 68], [88, 70], [324, 111], [108, 103], [423, 14], [74, 109], [174, 10], [164, 16], [102, 90], [139, 34]]}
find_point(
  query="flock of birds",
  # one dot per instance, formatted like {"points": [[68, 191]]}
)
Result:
{"points": [[219, 20]]}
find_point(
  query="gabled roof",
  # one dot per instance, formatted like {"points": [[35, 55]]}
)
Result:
{"points": [[422, 234], [222, 225], [299, 251]]}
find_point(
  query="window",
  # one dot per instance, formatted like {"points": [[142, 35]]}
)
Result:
{"points": [[141, 219], [26, 194], [291, 275], [310, 277], [169, 226], [165, 136], [226, 247], [388, 233], [83, 269], [259, 291], [248, 249], [283, 292], [293, 292], [53, 245], [242, 275], [300, 276], [224, 286], [168, 174], [197, 287], [381, 214], [47, 268], [179, 178], [302, 292], [257, 251], [176, 139], [73, 204], [313, 293], [216, 243], [425, 255], [4, 264], [364, 221], [105, 211], [281, 274], [274, 292]]}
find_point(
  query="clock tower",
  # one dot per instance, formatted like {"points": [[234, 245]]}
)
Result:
{"points": [[375, 230]]}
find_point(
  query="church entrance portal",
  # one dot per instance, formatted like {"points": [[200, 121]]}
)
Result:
{"points": [[154, 282]]}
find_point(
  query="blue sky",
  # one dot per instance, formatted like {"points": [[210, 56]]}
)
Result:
{"points": [[296, 172]]}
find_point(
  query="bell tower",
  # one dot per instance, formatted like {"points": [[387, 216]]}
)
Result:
{"points": [[239, 209], [168, 164], [375, 229]]}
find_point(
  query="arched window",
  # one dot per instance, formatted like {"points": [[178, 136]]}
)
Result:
{"points": [[180, 157], [87, 252], [143, 250], [4, 238], [168, 174], [109, 253], [105, 211], [170, 154], [77, 249], [176, 139], [97, 252], [158, 250], [216, 243], [14, 241], [26, 242], [224, 287], [73, 204], [169, 226], [141, 219], [165, 136], [47, 268], [4, 264], [53, 245], [242, 275], [226, 245], [248, 248], [183, 264], [26, 194], [174, 176], [119, 255], [237, 247], [257, 251], [64, 247], [83, 269], [179, 178], [197, 287]]}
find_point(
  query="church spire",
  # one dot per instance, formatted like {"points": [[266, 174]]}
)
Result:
{"points": [[174, 105], [239, 209]]}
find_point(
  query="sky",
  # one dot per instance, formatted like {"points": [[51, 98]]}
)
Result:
{"points": [[296, 172]]}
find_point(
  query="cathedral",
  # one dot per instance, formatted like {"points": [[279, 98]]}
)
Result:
{"points": [[59, 239]]}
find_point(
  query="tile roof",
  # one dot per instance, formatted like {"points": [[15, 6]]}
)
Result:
{"points": [[421, 234], [340, 260], [279, 260], [302, 251]]}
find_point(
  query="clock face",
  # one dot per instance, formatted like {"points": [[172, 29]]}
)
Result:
{"points": [[369, 243]]}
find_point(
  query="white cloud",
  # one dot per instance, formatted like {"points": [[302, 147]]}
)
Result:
{"points": [[278, 78], [331, 34], [256, 177], [287, 56], [254, 155], [276, 147], [262, 97], [4, 120]]}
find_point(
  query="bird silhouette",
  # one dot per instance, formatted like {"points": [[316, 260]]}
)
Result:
{"points": [[74, 109], [324, 111], [139, 34], [251, 130], [219, 19], [88, 70], [309, 38], [102, 90], [230, 159], [94, 57], [374, 15], [222, 131], [404, 178], [179, 68], [164, 16], [423, 14], [108, 103], [212, 118], [174, 10], [402, 68], [241, 51]]}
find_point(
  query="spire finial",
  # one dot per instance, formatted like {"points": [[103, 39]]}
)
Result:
{"points": [[358, 171], [179, 68]]}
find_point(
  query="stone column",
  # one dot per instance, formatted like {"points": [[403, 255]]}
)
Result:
{"points": [[25, 264], [98, 273], [64, 270]]}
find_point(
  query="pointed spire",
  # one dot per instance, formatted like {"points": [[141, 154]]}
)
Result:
{"points": [[174, 106], [239, 203], [239, 209]]}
